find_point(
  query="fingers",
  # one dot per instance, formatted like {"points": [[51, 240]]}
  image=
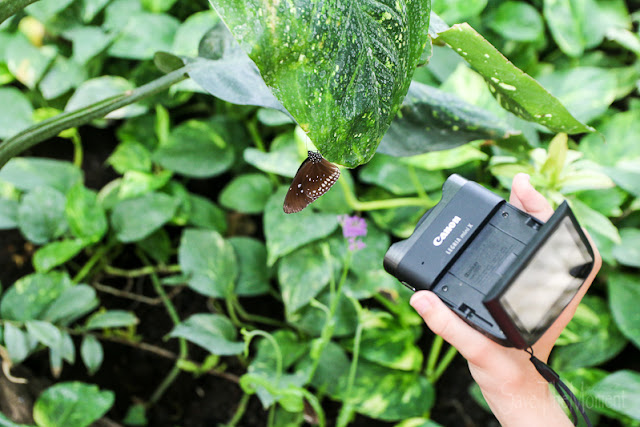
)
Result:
{"points": [[444, 322], [526, 198]]}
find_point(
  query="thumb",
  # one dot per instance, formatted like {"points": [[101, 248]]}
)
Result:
{"points": [[442, 321]]}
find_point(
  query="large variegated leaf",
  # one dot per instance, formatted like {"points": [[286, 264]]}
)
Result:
{"points": [[340, 67]]}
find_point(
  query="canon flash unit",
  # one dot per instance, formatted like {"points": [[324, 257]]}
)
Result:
{"points": [[505, 272]]}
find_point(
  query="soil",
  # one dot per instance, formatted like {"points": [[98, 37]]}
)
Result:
{"points": [[190, 402]]}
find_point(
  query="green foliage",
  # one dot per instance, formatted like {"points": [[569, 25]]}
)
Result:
{"points": [[193, 214]]}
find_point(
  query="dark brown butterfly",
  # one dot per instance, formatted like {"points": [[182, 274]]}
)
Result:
{"points": [[315, 177]]}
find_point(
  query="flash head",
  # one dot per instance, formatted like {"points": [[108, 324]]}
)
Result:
{"points": [[503, 271]]}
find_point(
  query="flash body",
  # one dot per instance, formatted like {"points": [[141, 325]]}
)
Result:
{"points": [[505, 272]]}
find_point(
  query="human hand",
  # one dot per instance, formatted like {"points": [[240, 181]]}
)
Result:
{"points": [[514, 390]]}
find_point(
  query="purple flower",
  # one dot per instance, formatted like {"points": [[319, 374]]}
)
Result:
{"points": [[353, 227]]}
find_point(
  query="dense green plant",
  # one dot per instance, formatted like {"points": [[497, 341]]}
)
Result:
{"points": [[340, 328]]}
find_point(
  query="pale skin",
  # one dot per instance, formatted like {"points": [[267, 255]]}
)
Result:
{"points": [[515, 391]]}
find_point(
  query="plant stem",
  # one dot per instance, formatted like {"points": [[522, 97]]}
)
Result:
{"points": [[444, 363], [11, 7], [252, 127], [436, 346], [173, 314], [143, 271], [346, 411], [53, 126], [97, 256], [77, 150], [133, 296], [256, 318], [242, 407], [373, 205]]}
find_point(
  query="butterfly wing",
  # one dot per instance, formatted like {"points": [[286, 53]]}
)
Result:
{"points": [[313, 179]]}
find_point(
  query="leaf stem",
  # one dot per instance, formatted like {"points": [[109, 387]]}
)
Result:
{"points": [[248, 336], [256, 318], [346, 412], [77, 150], [97, 256], [242, 407], [436, 347], [373, 205], [175, 318], [53, 126], [11, 7], [143, 271], [444, 363]]}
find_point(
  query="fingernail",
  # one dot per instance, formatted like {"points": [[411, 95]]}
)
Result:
{"points": [[420, 302]]}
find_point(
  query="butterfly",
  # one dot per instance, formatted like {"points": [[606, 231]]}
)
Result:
{"points": [[315, 177]]}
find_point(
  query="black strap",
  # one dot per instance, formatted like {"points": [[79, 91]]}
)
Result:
{"points": [[553, 378]]}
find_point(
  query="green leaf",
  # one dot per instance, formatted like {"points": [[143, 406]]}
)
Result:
{"points": [[516, 91], [157, 6], [333, 364], [191, 32], [312, 319], [447, 159], [143, 35], [345, 100], [90, 8], [26, 62], [282, 159], [71, 404], [418, 422], [594, 221], [226, 72], [47, 9], [197, 149], [205, 214], [390, 395], [136, 183], [594, 337], [87, 42], [624, 297], [41, 215], [136, 415], [56, 253], [64, 75], [620, 391], [587, 92], [111, 319], [100, 88], [606, 201], [454, 11], [388, 342], [16, 118], [271, 117], [29, 173], [430, 120], [45, 333], [308, 266], [157, 245], [30, 296], [394, 176], [85, 216], [135, 219], [17, 342], [209, 260], [517, 21], [72, 304], [8, 214], [92, 353], [570, 24], [130, 156], [253, 273], [247, 193], [284, 233], [614, 147], [628, 251], [213, 332]]}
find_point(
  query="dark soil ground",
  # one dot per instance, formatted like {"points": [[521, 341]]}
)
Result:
{"points": [[134, 374]]}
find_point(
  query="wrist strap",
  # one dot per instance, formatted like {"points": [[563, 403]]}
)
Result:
{"points": [[553, 378]]}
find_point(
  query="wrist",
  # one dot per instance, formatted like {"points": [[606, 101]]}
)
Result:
{"points": [[528, 404]]}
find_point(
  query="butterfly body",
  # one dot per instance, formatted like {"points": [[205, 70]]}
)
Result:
{"points": [[314, 177]]}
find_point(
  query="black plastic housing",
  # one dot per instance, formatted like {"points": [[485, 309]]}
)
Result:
{"points": [[471, 246]]}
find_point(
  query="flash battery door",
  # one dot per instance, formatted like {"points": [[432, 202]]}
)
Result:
{"points": [[536, 288]]}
